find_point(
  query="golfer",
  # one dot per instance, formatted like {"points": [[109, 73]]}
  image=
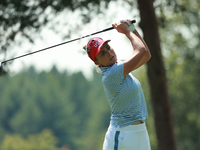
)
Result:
{"points": [[127, 129]]}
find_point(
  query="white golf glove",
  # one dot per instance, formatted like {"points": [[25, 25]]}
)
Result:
{"points": [[129, 23]]}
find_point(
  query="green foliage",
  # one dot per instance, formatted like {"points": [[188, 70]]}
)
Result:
{"points": [[42, 141], [141, 75], [75, 109], [22, 19], [181, 48], [181, 27], [183, 81], [184, 90], [77, 112]]}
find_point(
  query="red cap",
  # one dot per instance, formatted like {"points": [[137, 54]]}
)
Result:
{"points": [[94, 47]]}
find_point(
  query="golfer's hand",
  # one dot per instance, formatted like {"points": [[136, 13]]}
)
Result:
{"points": [[121, 27], [131, 26]]}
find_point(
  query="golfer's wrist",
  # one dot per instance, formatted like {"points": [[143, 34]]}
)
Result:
{"points": [[129, 34]]}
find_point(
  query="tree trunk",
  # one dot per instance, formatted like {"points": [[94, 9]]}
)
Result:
{"points": [[157, 78]]}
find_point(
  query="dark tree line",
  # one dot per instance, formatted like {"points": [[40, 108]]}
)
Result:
{"points": [[20, 18]]}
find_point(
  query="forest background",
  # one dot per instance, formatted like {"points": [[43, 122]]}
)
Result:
{"points": [[60, 110]]}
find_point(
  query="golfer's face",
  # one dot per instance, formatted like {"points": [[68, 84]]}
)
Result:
{"points": [[107, 56]]}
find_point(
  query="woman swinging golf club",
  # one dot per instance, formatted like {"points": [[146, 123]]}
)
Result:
{"points": [[127, 129]]}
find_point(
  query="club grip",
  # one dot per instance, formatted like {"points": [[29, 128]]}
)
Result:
{"points": [[107, 29], [133, 21]]}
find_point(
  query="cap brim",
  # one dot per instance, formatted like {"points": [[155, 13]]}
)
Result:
{"points": [[99, 48]]}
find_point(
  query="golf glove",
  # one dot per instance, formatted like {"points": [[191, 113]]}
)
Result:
{"points": [[129, 23]]}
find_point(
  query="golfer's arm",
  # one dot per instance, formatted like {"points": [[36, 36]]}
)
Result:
{"points": [[139, 56], [147, 55]]}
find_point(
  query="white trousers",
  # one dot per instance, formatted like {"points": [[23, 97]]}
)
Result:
{"points": [[132, 137]]}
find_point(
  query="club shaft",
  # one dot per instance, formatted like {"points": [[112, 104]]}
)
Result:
{"points": [[107, 29]]}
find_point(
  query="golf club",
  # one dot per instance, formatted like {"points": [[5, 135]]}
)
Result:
{"points": [[107, 29]]}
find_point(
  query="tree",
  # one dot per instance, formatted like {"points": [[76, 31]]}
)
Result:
{"points": [[24, 18], [44, 140], [18, 18], [150, 24], [184, 86], [180, 36], [155, 71], [67, 105], [157, 78]]}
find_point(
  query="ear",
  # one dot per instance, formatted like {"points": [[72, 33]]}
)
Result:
{"points": [[97, 63]]}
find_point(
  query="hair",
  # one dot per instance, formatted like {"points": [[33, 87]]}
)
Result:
{"points": [[85, 47], [98, 70], [88, 51]]}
